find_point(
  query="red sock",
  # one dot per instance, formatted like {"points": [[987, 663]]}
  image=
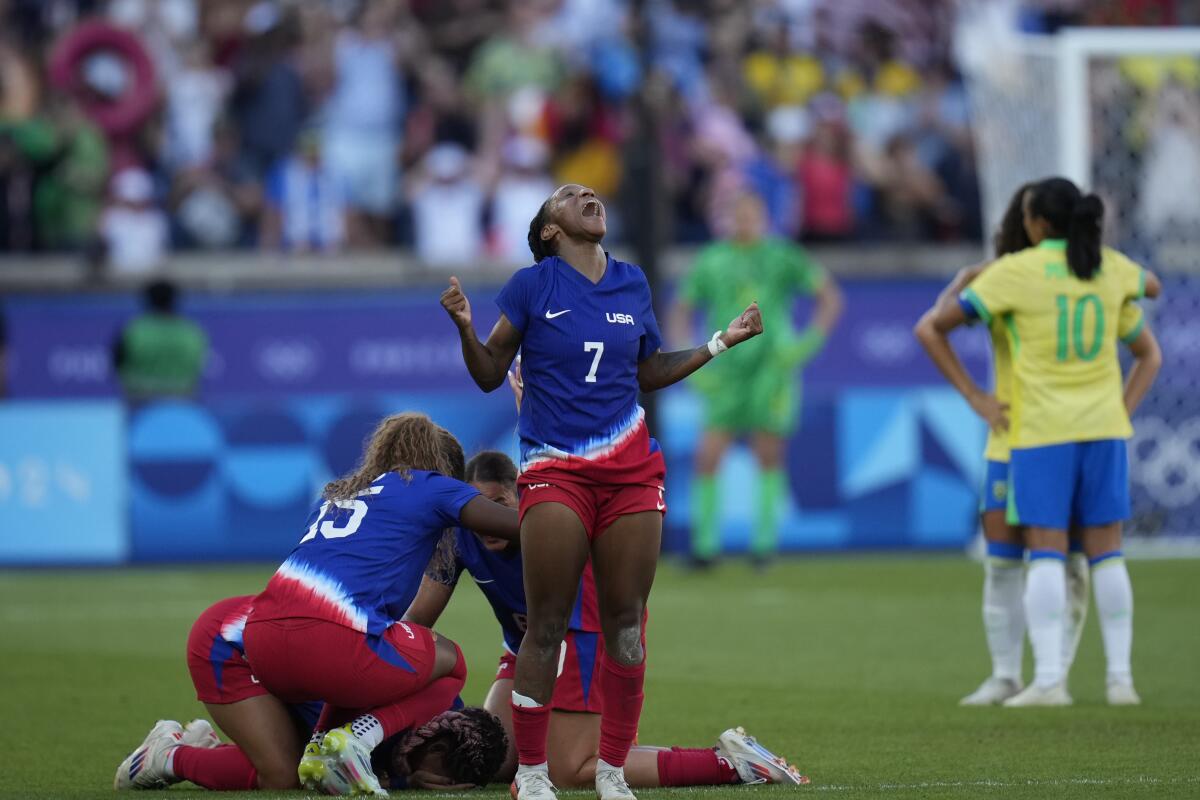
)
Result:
{"points": [[530, 728], [222, 768], [419, 708], [620, 708], [681, 766]]}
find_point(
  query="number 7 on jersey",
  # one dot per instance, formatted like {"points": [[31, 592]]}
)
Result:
{"points": [[599, 348]]}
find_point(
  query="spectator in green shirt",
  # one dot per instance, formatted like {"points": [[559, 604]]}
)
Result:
{"points": [[751, 266], [160, 353]]}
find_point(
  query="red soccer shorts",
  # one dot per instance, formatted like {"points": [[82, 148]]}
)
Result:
{"points": [[219, 670], [577, 687], [301, 659], [627, 481]]}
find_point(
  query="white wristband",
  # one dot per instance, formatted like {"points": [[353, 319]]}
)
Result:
{"points": [[716, 346]]}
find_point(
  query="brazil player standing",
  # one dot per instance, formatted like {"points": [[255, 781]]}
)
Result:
{"points": [[325, 626], [1061, 300], [592, 478], [1004, 565], [728, 275]]}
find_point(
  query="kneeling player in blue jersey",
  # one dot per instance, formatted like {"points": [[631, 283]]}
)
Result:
{"points": [[574, 737], [460, 747], [325, 626]]}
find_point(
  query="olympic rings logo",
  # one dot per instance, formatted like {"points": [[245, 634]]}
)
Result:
{"points": [[1165, 461]]}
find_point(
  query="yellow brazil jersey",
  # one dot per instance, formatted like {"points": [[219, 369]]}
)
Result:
{"points": [[1060, 333]]}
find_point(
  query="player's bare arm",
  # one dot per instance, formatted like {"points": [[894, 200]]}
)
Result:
{"points": [[488, 362], [932, 331], [437, 584], [431, 600], [663, 369], [491, 519], [1147, 360], [1153, 285]]}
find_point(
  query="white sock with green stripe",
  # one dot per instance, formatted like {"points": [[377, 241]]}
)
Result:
{"points": [[1003, 614], [1114, 606], [1045, 613]]}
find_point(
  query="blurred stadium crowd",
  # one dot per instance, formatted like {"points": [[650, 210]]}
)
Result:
{"points": [[130, 128]]}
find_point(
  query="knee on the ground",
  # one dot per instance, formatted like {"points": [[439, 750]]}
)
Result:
{"points": [[278, 777]]}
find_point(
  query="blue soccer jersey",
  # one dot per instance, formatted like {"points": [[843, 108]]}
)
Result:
{"points": [[580, 349], [502, 582], [360, 561]]}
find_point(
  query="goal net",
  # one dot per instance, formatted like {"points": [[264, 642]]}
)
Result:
{"points": [[1117, 111]]}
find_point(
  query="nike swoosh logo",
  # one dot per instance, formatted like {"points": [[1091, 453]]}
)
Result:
{"points": [[481, 583], [556, 313]]}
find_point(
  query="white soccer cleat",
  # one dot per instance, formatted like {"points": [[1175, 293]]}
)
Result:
{"points": [[611, 785], [753, 762], [324, 774], [533, 784], [146, 767], [992, 692], [346, 758], [1122, 693], [199, 733], [1034, 695]]}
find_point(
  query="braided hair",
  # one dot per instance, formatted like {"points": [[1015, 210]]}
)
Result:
{"points": [[474, 739], [537, 245]]}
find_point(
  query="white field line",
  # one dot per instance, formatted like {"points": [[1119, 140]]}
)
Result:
{"points": [[1143, 780]]}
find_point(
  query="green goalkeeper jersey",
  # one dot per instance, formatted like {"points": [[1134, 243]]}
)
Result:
{"points": [[728, 276]]}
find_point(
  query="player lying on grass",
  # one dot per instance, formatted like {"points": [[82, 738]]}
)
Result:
{"points": [[574, 738], [452, 749], [1004, 566], [1062, 300]]}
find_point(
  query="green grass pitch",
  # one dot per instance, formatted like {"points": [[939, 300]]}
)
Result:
{"points": [[850, 666]]}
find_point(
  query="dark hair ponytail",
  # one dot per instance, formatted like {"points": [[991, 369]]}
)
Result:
{"points": [[1083, 237], [1011, 237], [537, 245], [1073, 216]]}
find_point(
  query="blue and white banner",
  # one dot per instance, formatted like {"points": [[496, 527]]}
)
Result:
{"points": [[63, 483]]}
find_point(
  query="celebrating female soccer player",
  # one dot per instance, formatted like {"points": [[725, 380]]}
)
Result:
{"points": [[592, 478], [455, 748], [1004, 567], [1061, 300], [324, 628], [574, 719]]}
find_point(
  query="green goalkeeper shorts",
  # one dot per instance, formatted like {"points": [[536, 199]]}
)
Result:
{"points": [[762, 401]]}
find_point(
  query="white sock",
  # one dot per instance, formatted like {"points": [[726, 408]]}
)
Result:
{"points": [[1078, 577], [542, 767], [521, 701], [1004, 616], [604, 766], [368, 730], [1114, 606], [1045, 607], [169, 764]]}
